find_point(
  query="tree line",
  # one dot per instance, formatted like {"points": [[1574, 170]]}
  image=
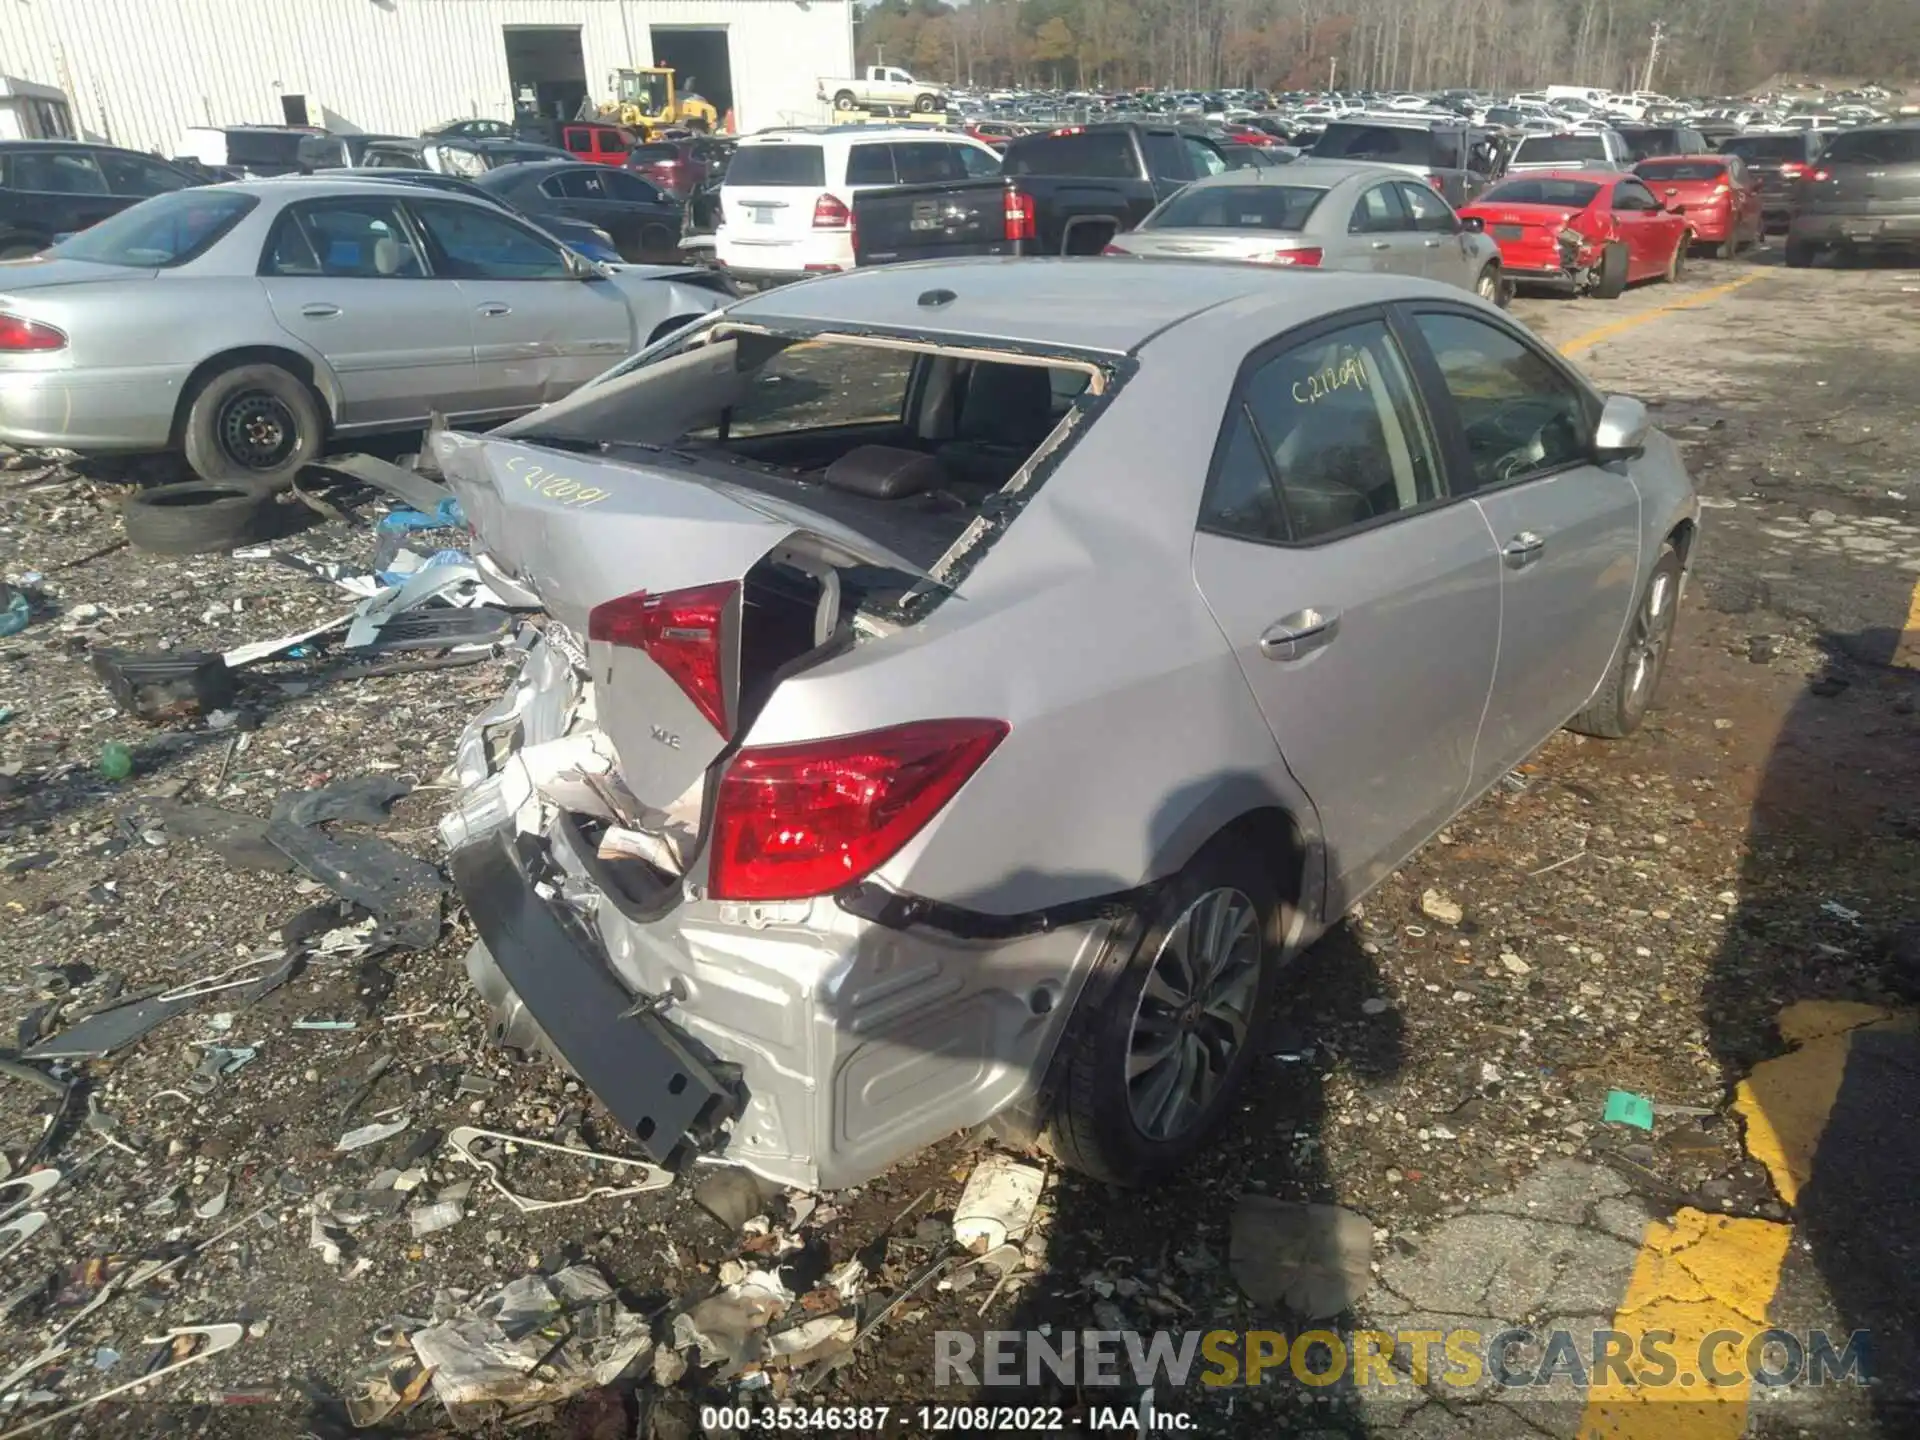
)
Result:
{"points": [[1682, 47]]}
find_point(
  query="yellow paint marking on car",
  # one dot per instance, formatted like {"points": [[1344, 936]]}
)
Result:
{"points": [[1906, 651], [1707, 1277], [1620, 327]]}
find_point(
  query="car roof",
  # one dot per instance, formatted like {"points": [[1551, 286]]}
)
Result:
{"points": [[309, 187], [77, 145], [1093, 304], [789, 134]]}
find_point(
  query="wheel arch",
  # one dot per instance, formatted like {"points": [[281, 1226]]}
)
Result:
{"points": [[316, 378], [1280, 824], [1681, 537]]}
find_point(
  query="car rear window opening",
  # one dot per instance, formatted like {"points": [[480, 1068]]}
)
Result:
{"points": [[1563, 194], [1105, 155], [1389, 144], [1557, 148], [803, 166], [1683, 170]]}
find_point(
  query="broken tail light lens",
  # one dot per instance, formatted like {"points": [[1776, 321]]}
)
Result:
{"points": [[1021, 222], [830, 212], [18, 335], [685, 632], [795, 821]]}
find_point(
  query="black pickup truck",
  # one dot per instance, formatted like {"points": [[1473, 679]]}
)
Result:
{"points": [[1067, 192]]}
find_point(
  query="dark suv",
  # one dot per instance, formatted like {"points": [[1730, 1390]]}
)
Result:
{"points": [[1779, 159], [1863, 194], [1441, 152], [51, 188]]}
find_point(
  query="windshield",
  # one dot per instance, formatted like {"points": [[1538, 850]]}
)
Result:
{"points": [[1560, 149], [1641, 143], [1562, 194], [1389, 144], [1236, 207], [1683, 170], [798, 165], [1875, 147], [167, 230]]}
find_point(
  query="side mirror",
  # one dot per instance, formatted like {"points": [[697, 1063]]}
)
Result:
{"points": [[1622, 431], [1474, 224]]}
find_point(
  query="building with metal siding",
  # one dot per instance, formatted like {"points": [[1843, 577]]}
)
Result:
{"points": [[141, 72]]}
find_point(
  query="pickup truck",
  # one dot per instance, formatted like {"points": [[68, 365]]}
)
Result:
{"points": [[1066, 192], [884, 85]]}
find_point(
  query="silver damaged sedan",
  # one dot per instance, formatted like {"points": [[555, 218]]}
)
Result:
{"points": [[1322, 215], [968, 684], [248, 324]]}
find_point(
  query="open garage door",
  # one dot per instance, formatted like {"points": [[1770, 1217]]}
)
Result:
{"points": [[546, 69], [699, 59]]}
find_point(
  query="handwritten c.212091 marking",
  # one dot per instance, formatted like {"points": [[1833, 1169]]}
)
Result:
{"points": [[551, 485], [1350, 373]]}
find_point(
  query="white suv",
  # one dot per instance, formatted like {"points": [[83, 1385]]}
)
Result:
{"points": [[786, 204]]}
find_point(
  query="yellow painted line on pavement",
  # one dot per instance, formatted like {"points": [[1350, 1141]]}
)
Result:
{"points": [[1632, 322], [1907, 650], [1699, 1274]]}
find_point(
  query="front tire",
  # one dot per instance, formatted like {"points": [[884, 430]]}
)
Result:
{"points": [[1623, 701], [1611, 283], [1492, 287], [1158, 1060], [1677, 262], [259, 424]]}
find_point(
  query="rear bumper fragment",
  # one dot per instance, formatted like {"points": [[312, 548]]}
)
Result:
{"points": [[643, 1070]]}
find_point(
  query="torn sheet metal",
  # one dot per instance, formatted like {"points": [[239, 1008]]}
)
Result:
{"points": [[578, 772], [650, 1177], [541, 704], [409, 486], [404, 892], [460, 586], [259, 650]]}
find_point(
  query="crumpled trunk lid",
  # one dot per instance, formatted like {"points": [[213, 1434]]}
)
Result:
{"points": [[582, 530]]}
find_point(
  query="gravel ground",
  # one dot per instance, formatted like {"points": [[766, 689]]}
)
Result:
{"points": [[1629, 916]]}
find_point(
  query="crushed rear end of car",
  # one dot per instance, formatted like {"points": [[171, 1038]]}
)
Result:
{"points": [[701, 927]]}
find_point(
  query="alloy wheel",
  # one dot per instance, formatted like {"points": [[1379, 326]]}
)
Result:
{"points": [[1194, 1013], [1652, 628], [257, 430]]}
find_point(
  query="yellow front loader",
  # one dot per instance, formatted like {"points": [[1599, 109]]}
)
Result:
{"points": [[649, 99]]}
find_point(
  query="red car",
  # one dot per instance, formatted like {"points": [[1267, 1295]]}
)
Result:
{"points": [[1717, 193], [678, 165], [1583, 232]]}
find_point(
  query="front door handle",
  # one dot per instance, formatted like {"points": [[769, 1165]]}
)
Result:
{"points": [[319, 312], [1300, 634], [494, 308], [1523, 549], [1433, 244], [1383, 245]]}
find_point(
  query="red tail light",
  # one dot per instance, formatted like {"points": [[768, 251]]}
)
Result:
{"points": [[1436, 182], [18, 335], [794, 821], [687, 633], [830, 213], [1821, 174], [1793, 169], [1021, 223], [1069, 130], [1112, 249], [1306, 257]]}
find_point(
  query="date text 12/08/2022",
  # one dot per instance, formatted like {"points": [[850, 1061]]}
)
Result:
{"points": [[916, 1420]]}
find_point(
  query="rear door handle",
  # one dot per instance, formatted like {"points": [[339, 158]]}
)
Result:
{"points": [[319, 312], [1433, 244], [1383, 244], [495, 308], [1523, 549], [1299, 634]]}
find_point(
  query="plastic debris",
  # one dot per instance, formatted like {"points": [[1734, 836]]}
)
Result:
{"points": [[997, 1203], [20, 1230], [729, 1327], [540, 1339], [1626, 1108], [116, 760], [108, 1031], [371, 1134], [17, 612], [731, 1195], [438, 1216], [464, 1139], [1440, 908], [162, 685], [210, 1340]]}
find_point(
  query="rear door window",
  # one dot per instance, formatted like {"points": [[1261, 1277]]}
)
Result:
{"points": [[1874, 147], [358, 239], [799, 166], [871, 165], [1430, 213], [1379, 211], [137, 175]]}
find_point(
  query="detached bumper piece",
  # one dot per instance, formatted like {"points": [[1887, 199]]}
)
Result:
{"points": [[642, 1069]]}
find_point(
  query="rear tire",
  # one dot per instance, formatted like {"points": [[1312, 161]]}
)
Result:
{"points": [[1801, 253], [844, 100], [1677, 262], [1623, 701], [1491, 287], [1173, 1034], [1611, 283], [258, 424], [925, 104]]}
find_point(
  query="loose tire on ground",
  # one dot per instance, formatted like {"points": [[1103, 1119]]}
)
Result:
{"points": [[1623, 701], [257, 423], [1093, 1128], [1611, 283], [198, 516]]}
